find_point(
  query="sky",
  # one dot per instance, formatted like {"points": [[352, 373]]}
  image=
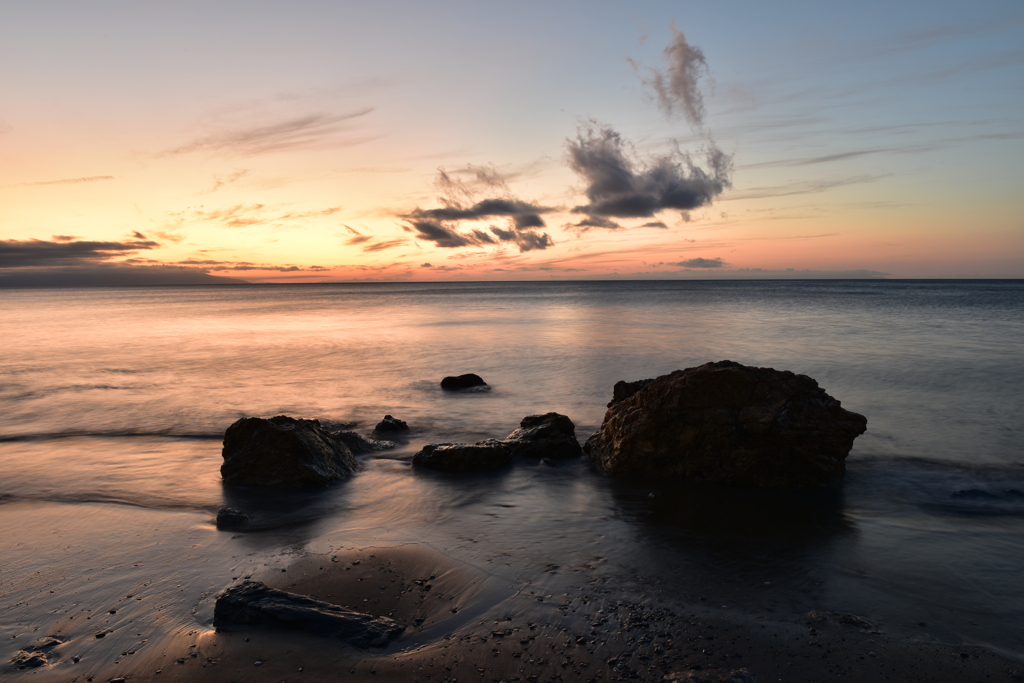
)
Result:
{"points": [[311, 141]]}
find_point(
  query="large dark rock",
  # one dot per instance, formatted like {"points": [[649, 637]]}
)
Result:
{"points": [[541, 436], [252, 603], [464, 457], [728, 423], [545, 436], [283, 451], [467, 381]]}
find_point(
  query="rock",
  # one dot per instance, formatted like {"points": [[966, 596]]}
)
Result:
{"points": [[26, 659], [710, 676], [358, 445], [232, 518], [540, 436], [252, 603], [283, 451], [728, 423], [545, 436], [463, 457], [623, 390], [391, 424], [467, 381]]}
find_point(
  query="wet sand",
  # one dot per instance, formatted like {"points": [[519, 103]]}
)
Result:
{"points": [[465, 623]]}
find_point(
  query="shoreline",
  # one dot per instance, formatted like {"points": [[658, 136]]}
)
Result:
{"points": [[465, 622]]}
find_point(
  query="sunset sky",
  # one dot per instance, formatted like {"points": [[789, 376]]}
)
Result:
{"points": [[324, 141]]}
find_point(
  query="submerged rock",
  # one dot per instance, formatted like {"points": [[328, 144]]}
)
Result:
{"points": [[464, 457], [252, 603], [467, 381], [728, 423], [540, 436], [283, 451], [232, 518], [358, 445], [391, 424], [550, 435]]}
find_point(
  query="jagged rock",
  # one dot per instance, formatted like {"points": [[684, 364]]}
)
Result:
{"points": [[231, 518], [391, 424], [252, 603], [358, 445], [467, 381], [545, 436], [623, 390], [464, 457], [541, 436], [728, 423], [283, 451]]}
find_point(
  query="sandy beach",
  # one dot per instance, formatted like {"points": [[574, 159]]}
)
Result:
{"points": [[463, 622]]}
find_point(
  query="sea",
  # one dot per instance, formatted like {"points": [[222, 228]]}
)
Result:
{"points": [[114, 401]]}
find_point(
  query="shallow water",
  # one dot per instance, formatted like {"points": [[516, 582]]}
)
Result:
{"points": [[118, 397]]}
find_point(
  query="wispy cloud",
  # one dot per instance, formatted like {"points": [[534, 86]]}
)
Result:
{"points": [[299, 132], [245, 215], [68, 181], [220, 181], [677, 88], [803, 187]]}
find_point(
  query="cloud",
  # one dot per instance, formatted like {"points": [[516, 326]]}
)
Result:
{"points": [[26, 253], [620, 186], [112, 275], [381, 246], [69, 181], [677, 88], [242, 215], [654, 224], [220, 181], [700, 263], [304, 131], [804, 187], [457, 192]]}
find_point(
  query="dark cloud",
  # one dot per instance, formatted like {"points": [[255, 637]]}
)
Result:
{"points": [[293, 133], [358, 239], [621, 187], [458, 192], [441, 236], [112, 275], [654, 224], [677, 87], [596, 222], [25, 253], [700, 263]]}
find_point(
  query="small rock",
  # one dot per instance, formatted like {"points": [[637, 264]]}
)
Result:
{"points": [[467, 381], [231, 518], [463, 457], [391, 424]]}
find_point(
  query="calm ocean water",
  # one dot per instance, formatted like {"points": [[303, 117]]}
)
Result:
{"points": [[118, 397]]}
